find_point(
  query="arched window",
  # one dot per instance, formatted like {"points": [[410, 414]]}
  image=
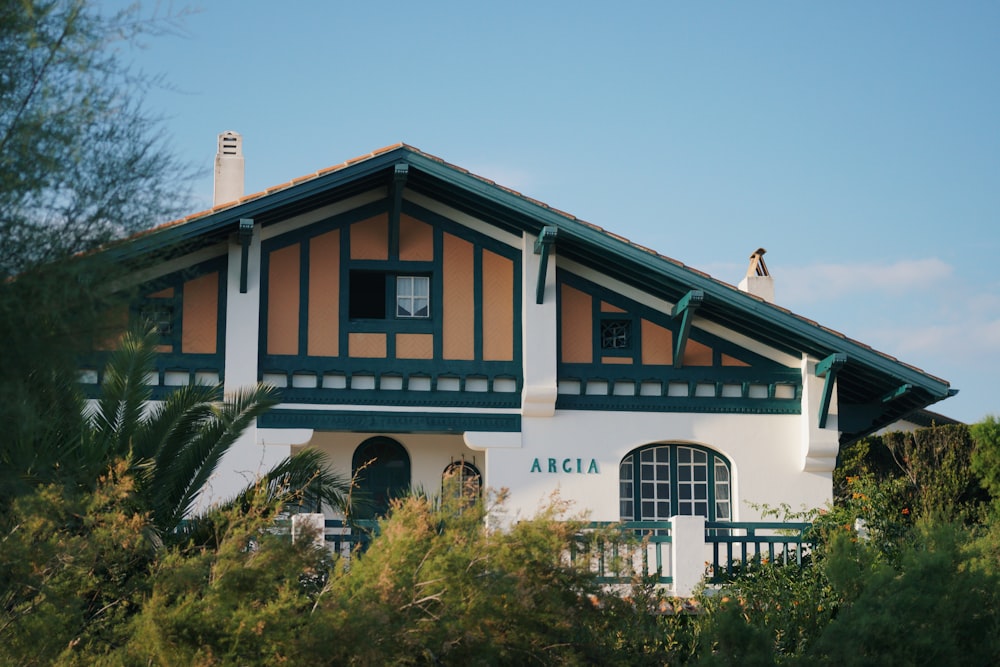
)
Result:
{"points": [[656, 482], [382, 469], [462, 479]]}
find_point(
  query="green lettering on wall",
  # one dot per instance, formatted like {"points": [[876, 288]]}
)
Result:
{"points": [[536, 466], [592, 470], [552, 465]]}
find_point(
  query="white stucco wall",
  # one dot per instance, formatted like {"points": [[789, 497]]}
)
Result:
{"points": [[764, 452]]}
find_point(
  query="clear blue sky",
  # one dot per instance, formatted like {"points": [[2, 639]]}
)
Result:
{"points": [[858, 142]]}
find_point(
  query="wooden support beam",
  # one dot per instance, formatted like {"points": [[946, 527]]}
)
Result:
{"points": [[828, 369], [684, 309], [898, 392], [399, 175], [245, 236], [543, 244]]}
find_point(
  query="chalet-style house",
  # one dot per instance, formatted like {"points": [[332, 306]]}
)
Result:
{"points": [[419, 319]]}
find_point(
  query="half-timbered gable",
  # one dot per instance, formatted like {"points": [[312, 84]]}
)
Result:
{"points": [[367, 307]]}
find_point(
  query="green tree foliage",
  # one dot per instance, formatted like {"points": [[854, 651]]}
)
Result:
{"points": [[937, 463], [986, 458], [73, 570], [934, 609], [929, 471], [434, 587], [80, 165]]}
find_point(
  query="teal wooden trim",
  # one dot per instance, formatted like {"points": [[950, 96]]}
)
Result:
{"points": [[477, 302], [828, 369], [394, 266], [339, 221], [245, 236], [677, 404], [685, 310], [641, 311], [611, 554], [304, 258], [437, 295], [834, 363], [642, 388], [898, 392], [515, 213], [336, 373], [389, 422], [391, 325], [749, 549], [400, 172], [343, 302], [543, 245]]}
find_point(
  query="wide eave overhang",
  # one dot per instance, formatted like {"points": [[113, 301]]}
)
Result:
{"points": [[874, 389]]}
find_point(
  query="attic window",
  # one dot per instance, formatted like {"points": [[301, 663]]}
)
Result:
{"points": [[378, 295], [160, 316], [616, 334], [413, 296]]}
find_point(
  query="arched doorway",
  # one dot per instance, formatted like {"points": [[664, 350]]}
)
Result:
{"points": [[381, 467]]}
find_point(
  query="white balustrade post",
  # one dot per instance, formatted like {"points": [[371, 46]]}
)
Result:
{"points": [[687, 553], [305, 526]]}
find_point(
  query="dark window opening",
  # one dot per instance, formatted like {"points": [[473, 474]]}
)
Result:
{"points": [[159, 316], [367, 295], [616, 334]]}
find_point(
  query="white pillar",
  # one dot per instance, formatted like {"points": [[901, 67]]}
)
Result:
{"points": [[538, 331], [242, 315], [820, 446], [687, 553]]}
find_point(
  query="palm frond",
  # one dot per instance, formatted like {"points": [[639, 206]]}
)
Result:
{"points": [[124, 393], [303, 479], [199, 456]]}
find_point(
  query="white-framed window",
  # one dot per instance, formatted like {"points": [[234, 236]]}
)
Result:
{"points": [[413, 296], [658, 481], [380, 295]]}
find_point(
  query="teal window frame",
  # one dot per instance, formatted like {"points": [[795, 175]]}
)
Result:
{"points": [[616, 319], [391, 295], [141, 314], [665, 479]]}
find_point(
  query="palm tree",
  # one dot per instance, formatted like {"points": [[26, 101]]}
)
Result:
{"points": [[173, 447]]}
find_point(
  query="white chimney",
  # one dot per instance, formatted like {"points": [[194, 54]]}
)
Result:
{"points": [[229, 168], [758, 280]]}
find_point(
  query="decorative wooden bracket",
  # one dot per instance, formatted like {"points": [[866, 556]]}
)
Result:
{"points": [[245, 236], [543, 244], [684, 309], [828, 369], [898, 392]]}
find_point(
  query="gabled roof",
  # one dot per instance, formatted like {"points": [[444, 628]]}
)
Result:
{"points": [[874, 389]]}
